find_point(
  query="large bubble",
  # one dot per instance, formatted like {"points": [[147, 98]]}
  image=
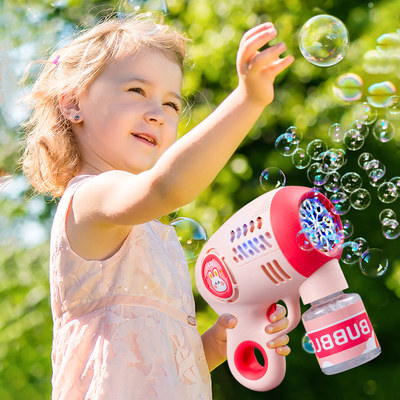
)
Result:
{"points": [[324, 40], [348, 87], [272, 178], [373, 263]]}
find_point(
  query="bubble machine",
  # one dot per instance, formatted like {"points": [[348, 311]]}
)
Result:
{"points": [[281, 246]]}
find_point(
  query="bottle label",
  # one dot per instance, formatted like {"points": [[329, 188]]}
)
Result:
{"points": [[341, 335]]}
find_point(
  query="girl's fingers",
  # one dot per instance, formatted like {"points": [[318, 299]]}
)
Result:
{"points": [[277, 326], [280, 65], [267, 57], [253, 31], [278, 314], [283, 350], [280, 341]]}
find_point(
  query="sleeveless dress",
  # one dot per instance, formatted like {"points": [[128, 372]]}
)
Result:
{"points": [[124, 328]]}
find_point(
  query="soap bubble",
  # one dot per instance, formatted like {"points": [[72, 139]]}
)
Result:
{"points": [[324, 40], [353, 139], [360, 127], [336, 133], [315, 149], [303, 239], [373, 263], [391, 229], [379, 93], [364, 159], [286, 144], [349, 253], [365, 113], [360, 199], [307, 345], [340, 202], [348, 87], [333, 159], [191, 234], [272, 178], [347, 228], [387, 192], [362, 245], [393, 107], [376, 172], [292, 130], [316, 174], [383, 130], [300, 158], [333, 182], [396, 181], [351, 181], [387, 213]]}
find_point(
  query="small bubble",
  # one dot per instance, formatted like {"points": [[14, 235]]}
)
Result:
{"points": [[307, 345], [292, 130], [387, 213], [191, 234], [393, 107], [365, 113], [391, 229], [300, 158], [362, 245], [383, 130], [336, 133], [373, 263], [340, 202], [360, 199], [272, 178], [286, 144], [347, 228], [364, 159], [316, 175], [387, 192], [349, 253], [323, 40], [333, 182], [396, 181], [360, 127], [333, 159], [303, 241], [351, 181], [353, 140], [316, 148]]}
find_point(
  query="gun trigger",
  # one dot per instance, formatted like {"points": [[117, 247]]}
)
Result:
{"points": [[271, 310]]}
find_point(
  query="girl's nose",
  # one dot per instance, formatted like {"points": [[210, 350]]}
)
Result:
{"points": [[155, 115]]}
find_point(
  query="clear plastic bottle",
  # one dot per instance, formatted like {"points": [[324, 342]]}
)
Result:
{"points": [[340, 332]]}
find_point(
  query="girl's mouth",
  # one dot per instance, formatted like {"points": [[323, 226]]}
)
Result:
{"points": [[146, 137]]}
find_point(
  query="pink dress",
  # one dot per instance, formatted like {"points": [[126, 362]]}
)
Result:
{"points": [[124, 327]]}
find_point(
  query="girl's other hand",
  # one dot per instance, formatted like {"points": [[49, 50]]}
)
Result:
{"points": [[279, 323]]}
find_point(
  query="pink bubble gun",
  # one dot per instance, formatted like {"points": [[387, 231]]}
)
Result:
{"points": [[281, 246]]}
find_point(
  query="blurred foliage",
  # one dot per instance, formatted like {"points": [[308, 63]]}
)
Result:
{"points": [[29, 29]]}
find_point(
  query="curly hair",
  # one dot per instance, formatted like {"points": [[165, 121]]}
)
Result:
{"points": [[51, 155]]}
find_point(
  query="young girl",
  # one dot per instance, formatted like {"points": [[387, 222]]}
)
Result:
{"points": [[102, 134]]}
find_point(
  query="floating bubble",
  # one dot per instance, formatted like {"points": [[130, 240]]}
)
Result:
{"points": [[349, 253], [393, 107], [362, 245], [191, 234], [379, 93], [376, 172], [341, 203], [333, 159], [388, 42], [347, 228], [391, 229], [353, 139], [348, 87], [387, 213], [387, 192], [396, 181], [272, 178], [360, 127], [333, 182], [300, 158], [364, 159], [286, 144], [307, 345], [336, 133], [360, 199], [295, 132], [373, 263], [323, 40], [383, 130], [351, 181], [316, 174], [303, 239], [316, 148], [365, 113]]}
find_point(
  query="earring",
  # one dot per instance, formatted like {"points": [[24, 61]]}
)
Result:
{"points": [[76, 118]]}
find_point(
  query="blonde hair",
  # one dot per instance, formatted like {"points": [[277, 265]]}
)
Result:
{"points": [[51, 155]]}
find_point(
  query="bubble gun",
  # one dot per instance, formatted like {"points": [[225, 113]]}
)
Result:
{"points": [[281, 246]]}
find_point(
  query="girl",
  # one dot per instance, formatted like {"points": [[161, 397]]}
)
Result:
{"points": [[102, 134]]}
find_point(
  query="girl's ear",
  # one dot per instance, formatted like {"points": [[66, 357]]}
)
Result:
{"points": [[70, 108]]}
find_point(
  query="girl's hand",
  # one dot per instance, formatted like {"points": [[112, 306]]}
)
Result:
{"points": [[257, 69], [279, 323]]}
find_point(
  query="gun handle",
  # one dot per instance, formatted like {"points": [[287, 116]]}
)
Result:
{"points": [[248, 335]]}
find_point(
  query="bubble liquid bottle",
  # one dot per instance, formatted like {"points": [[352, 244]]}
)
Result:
{"points": [[340, 332]]}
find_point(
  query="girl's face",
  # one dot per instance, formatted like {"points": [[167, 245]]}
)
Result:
{"points": [[130, 113]]}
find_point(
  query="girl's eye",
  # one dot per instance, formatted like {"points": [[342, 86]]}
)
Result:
{"points": [[137, 90], [173, 105]]}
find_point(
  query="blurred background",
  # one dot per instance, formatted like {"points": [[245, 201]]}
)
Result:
{"points": [[309, 97]]}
